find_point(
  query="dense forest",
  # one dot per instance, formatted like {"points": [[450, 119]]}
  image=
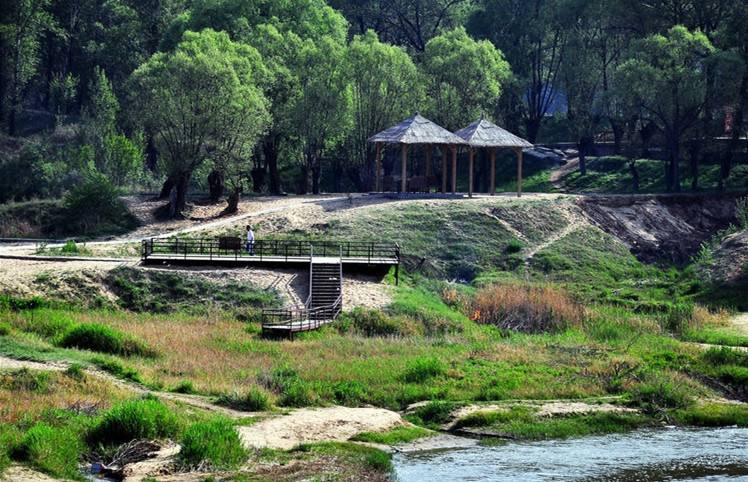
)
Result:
{"points": [[281, 95]]}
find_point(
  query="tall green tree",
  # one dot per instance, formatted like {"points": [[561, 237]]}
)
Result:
{"points": [[667, 76], [320, 115], [201, 101], [385, 87], [532, 38], [22, 23], [465, 77]]}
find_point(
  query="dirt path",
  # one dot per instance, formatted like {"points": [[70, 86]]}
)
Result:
{"points": [[574, 221], [740, 323], [557, 174], [317, 424]]}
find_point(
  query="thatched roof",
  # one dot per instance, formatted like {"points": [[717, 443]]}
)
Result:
{"points": [[483, 133], [416, 130]]}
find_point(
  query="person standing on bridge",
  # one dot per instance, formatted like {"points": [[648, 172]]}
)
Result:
{"points": [[250, 241]]}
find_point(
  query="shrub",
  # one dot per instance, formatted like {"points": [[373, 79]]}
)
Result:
{"points": [[527, 309], [297, 393], [433, 414], [185, 386], [376, 323], [349, 392], [117, 369], [26, 380], [52, 450], [514, 246], [660, 394], [135, 419], [678, 317], [215, 442], [253, 401], [93, 206], [421, 369], [4, 328], [726, 356], [69, 247], [75, 371], [102, 338]]}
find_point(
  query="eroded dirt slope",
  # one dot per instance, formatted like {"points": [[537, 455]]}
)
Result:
{"points": [[666, 229]]}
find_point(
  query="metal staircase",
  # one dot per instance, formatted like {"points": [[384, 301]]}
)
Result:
{"points": [[324, 304]]}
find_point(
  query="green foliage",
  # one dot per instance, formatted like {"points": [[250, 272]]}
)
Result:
{"points": [[185, 386], [714, 415], [55, 451], [135, 419], [433, 414], [397, 435], [102, 338], [27, 381], [725, 356], [422, 369], [660, 394], [374, 323], [93, 207], [117, 369], [5, 328], [465, 77], [70, 248], [215, 442], [148, 291], [75, 371], [253, 400]]}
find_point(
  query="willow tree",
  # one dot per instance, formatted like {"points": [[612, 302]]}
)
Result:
{"points": [[385, 87], [465, 77], [201, 101], [668, 77]]}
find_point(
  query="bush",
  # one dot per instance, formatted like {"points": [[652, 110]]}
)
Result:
{"points": [[27, 381], [514, 246], [117, 369], [527, 309], [185, 386], [102, 338], [726, 356], [93, 206], [348, 393], [422, 369], [5, 328], [55, 451], [215, 442], [145, 418], [69, 247], [433, 414], [293, 391], [660, 394], [369, 322], [254, 400]]}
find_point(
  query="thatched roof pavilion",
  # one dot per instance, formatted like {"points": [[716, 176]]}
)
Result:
{"points": [[485, 134], [417, 130]]}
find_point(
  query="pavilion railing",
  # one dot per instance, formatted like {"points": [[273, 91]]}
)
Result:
{"points": [[273, 249]]}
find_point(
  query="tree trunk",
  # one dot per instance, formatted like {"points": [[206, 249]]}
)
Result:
{"points": [[583, 146], [270, 150], [634, 175], [215, 184], [233, 201], [533, 127], [674, 170], [166, 188], [180, 201], [693, 158], [316, 174], [618, 130]]}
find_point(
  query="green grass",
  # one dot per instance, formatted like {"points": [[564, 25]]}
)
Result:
{"points": [[215, 441], [135, 419], [714, 415], [253, 400], [715, 335], [164, 292], [521, 423], [55, 451], [398, 435], [102, 338], [611, 174]]}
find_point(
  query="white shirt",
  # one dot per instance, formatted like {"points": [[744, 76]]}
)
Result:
{"points": [[250, 236]]}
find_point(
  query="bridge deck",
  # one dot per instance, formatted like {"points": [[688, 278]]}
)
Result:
{"points": [[249, 260]]}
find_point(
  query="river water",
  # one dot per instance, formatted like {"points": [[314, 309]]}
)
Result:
{"points": [[644, 455]]}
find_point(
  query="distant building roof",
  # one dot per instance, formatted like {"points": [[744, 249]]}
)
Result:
{"points": [[483, 133], [417, 130]]}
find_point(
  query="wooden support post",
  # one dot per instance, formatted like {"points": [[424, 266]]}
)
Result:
{"points": [[471, 162], [518, 150], [428, 159], [404, 168], [378, 168], [493, 171], [444, 169], [454, 169]]}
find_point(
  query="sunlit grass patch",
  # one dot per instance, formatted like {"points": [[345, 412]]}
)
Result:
{"points": [[401, 434]]}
